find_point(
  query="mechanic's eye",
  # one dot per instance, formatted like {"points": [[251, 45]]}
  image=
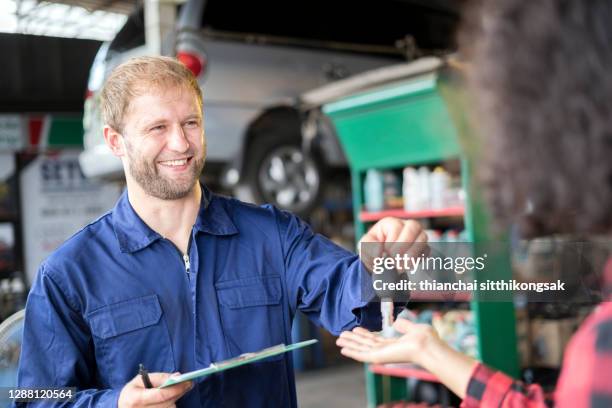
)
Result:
{"points": [[192, 123], [158, 128]]}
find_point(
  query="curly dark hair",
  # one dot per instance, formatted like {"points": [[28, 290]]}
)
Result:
{"points": [[541, 72]]}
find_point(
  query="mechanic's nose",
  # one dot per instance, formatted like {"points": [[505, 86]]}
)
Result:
{"points": [[178, 140]]}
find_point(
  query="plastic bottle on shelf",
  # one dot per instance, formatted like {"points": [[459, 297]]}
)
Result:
{"points": [[18, 290], [374, 190], [455, 195], [460, 194], [440, 184], [392, 189], [434, 235], [6, 301], [424, 188], [451, 236], [410, 189]]}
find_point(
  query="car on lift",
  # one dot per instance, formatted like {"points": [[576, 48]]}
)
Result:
{"points": [[254, 61]]}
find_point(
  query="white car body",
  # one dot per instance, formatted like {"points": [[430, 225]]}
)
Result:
{"points": [[243, 79]]}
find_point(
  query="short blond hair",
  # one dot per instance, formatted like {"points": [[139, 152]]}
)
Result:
{"points": [[135, 77]]}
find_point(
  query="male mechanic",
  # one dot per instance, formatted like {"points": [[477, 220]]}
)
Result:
{"points": [[175, 277]]}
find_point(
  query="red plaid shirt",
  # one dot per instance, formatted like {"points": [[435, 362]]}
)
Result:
{"points": [[586, 375]]}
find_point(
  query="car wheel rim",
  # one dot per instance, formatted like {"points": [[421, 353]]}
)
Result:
{"points": [[288, 178]]}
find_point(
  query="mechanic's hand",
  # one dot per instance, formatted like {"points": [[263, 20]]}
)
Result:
{"points": [[390, 237], [134, 394], [412, 347]]}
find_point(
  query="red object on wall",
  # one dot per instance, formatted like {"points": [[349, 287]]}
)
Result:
{"points": [[35, 125]]}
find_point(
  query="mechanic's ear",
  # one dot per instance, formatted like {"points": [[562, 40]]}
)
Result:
{"points": [[114, 141]]}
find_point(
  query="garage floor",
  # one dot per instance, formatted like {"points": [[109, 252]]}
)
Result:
{"points": [[338, 387]]}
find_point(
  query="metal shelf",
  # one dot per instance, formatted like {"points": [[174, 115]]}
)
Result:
{"points": [[409, 124], [368, 216], [404, 371]]}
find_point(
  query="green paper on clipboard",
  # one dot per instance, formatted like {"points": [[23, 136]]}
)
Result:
{"points": [[242, 359]]}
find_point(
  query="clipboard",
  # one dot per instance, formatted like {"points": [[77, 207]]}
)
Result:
{"points": [[238, 361]]}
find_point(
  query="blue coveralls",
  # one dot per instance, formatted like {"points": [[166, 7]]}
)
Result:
{"points": [[118, 294]]}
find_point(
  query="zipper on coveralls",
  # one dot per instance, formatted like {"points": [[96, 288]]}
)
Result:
{"points": [[187, 265]]}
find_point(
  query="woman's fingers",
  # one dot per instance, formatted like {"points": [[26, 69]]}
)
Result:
{"points": [[365, 346], [362, 345], [403, 325], [377, 338], [384, 354], [359, 338], [365, 337], [356, 355], [364, 332], [355, 343]]}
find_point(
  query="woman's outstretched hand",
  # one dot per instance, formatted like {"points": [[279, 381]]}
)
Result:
{"points": [[420, 344], [362, 345]]}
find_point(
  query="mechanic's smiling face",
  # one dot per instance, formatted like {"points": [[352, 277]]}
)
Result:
{"points": [[164, 142]]}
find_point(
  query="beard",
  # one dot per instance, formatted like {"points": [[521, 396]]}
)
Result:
{"points": [[156, 185]]}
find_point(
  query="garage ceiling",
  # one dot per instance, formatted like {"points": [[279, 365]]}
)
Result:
{"points": [[113, 6], [126, 6], [49, 74], [430, 21], [89, 19]]}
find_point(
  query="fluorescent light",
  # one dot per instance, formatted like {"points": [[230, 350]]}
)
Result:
{"points": [[58, 20]]}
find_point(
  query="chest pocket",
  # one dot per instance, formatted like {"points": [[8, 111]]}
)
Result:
{"points": [[128, 333], [251, 313]]}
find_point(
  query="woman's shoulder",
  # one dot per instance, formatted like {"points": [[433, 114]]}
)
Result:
{"points": [[587, 364]]}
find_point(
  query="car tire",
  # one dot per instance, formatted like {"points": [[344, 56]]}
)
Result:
{"points": [[279, 172]]}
